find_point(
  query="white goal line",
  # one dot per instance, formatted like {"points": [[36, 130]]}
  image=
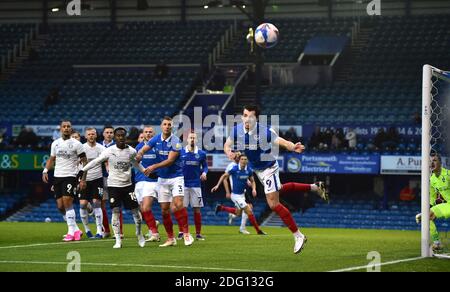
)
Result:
{"points": [[377, 265]]}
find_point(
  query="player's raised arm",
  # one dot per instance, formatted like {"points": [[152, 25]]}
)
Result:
{"points": [[142, 151], [138, 165], [288, 145], [227, 148], [102, 158], [222, 178]]}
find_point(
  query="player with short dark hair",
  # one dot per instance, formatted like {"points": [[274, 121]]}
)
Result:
{"points": [[108, 141], [66, 153], [120, 186], [170, 181], [257, 142]]}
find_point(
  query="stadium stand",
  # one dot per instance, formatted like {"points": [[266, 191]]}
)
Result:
{"points": [[383, 87], [130, 98], [359, 214], [151, 42], [10, 201], [10, 34], [294, 36], [70, 44]]}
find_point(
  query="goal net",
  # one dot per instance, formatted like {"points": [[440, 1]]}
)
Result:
{"points": [[435, 139]]}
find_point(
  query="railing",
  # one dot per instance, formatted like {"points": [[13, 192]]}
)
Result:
{"points": [[233, 93], [18, 49], [355, 30], [223, 43], [188, 103]]}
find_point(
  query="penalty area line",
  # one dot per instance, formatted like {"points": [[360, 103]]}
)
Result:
{"points": [[130, 265], [377, 265]]}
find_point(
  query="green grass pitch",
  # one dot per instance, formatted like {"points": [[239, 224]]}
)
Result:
{"points": [[38, 247]]}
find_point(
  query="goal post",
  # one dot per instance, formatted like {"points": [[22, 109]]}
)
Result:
{"points": [[435, 137], [426, 149]]}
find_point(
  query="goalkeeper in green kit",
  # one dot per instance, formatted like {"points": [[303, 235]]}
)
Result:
{"points": [[439, 198]]}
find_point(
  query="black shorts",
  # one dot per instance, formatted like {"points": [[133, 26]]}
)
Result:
{"points": [[125, 196], [65, 186], [94, 190]]}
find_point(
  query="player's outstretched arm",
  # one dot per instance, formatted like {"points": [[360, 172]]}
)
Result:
{"points": [[289, 146], [173, 156], [48, 166], [227, 187], [102, 158], [227, 149], [84, 162], [138, 166], [222, 178], [142, 151], [252, 180]]}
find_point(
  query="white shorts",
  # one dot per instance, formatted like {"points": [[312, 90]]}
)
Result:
{"points": [[239, 201], [169, 188], [193, 197], [146, 189], [105, 196], [270, 178]]}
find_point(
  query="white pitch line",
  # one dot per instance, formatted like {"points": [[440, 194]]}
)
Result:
{"points": [[131, 265], [54, 243], [377, 265]]}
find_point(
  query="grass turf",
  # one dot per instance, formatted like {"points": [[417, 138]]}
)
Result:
{"points": [[38, 247]]}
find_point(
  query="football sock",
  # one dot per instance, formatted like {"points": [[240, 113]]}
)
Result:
{"points": [[286, 216], [244, 220], [150, 221], [168, 225], [198, 222], [252, 220], [137, 220], [84, 217], [115, 222]]}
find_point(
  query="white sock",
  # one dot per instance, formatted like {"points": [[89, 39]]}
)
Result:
{"points": [[297, 234], [99, 220], [65, 218], [244, 220], [71, 221], [137, 217], [85, 219], [115, 222], [89, 208], [314, 188]]}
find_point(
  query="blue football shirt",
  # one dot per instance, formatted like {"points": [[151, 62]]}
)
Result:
{"points": [[162, 148], [194, 164]]}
